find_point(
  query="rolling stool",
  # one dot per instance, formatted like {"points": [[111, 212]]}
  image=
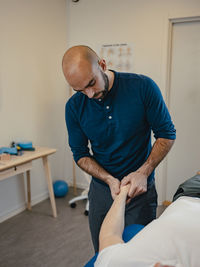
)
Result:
{"points": [[84, 195]]}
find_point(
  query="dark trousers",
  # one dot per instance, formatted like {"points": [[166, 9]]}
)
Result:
{"points": [[141, 209]]}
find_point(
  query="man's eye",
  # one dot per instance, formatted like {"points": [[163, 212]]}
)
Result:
{"points": [[92, 83], [77, 90]]}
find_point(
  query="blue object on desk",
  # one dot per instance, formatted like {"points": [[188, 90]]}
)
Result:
{"points": [[8, 150], [26, 146], [23, 146]]}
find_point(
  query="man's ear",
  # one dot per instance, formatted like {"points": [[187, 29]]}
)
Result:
{"points": [[102, 64]]}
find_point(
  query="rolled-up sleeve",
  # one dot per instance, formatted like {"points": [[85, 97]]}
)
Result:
{"points": [[157, 112], [78, 141]]}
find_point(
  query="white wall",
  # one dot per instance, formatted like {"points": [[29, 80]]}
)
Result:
{"points": [[140, 22], [32, 90]]}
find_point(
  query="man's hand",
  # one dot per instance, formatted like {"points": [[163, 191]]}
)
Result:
{"points": [[114, 185], [138, 184]]}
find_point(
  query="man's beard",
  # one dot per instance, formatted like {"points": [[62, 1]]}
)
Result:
{"points": [[104, 92], [106, 86]]}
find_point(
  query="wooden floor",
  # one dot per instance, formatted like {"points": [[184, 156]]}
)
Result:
{"points": [[36, 239]]}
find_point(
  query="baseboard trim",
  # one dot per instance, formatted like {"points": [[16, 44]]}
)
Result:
{"points": [[21, 207]]}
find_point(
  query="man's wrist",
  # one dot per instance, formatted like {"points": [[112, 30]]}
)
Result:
{"points": [[146, 169], [109, 179]]}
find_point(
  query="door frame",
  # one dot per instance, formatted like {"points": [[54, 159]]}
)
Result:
{"points": [[170, 22]]}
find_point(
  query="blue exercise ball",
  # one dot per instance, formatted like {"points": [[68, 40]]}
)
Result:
{"points": [[60, 188]]}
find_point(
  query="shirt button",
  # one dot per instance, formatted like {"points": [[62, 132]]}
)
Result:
{"points": [[110, 117], [99, 99], [107, 107]]}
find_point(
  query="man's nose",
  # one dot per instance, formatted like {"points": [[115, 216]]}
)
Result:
{"points": [[90, 92]]}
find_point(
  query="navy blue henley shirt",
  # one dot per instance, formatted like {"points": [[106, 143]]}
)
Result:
{"points": [[119, 126]]}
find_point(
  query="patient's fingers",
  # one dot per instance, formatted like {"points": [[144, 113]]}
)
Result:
{"points": [[125, 187]]}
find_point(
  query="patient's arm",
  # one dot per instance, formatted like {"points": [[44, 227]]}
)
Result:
{"points": [[113, 224]]}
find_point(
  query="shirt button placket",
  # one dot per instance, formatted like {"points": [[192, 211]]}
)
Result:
{"points": [[109, 117]]}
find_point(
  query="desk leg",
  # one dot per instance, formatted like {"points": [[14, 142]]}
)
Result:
{"points": [[28, 179], [49, 182]]}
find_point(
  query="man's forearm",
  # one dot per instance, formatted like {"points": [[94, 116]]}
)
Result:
{"points": [[93, 168], [159, 150]]}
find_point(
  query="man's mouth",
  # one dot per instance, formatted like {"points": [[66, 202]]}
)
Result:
{"points": [[96, 96]]}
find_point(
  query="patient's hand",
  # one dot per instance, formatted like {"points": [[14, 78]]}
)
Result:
{"points": [[124, 189]]}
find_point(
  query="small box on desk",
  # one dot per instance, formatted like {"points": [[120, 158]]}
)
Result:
{"points": [[5, 156]]}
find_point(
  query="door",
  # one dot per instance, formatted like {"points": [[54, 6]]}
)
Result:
{"points": [[184, 104]]}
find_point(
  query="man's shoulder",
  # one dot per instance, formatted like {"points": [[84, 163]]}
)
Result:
{"points": [[74, 103], [75, 99], [130, 75], [133, 78]]}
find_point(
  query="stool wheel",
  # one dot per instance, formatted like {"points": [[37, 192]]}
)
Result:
{"points": [[73, 205], [86, 212]]}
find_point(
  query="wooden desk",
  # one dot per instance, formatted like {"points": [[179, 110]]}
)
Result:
{"points": [[21, 164]]}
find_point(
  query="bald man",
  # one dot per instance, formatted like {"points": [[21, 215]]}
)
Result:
{"points": [[115, 112]]}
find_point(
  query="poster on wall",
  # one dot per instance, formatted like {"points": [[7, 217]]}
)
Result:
{"points": [[118, 57]]}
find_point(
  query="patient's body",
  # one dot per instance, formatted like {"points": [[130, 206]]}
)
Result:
{"points": [[172, 239]]}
